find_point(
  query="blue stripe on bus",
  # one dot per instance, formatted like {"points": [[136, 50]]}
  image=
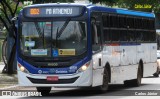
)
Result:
{"points": [[54, 70], [136, 13], [105, 9], [121, 11], [129, 44]]}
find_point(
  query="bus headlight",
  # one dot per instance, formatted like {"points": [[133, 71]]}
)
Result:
{"points": [[22, 68], [84, 67]]}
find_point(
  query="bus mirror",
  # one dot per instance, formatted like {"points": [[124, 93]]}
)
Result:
{"points": [[95, 34]]}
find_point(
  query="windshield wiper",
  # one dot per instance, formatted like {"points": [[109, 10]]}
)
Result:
{"points": [[38, 29], [40, 33], [56, 36], [62, 29]]}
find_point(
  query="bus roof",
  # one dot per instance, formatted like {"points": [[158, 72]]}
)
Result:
{"points": [[121, 11], [100, 8]]}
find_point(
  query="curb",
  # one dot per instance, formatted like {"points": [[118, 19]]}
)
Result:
{"points": [[8, 87]]}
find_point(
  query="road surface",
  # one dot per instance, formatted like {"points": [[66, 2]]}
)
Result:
{"points": [[150, 89]]}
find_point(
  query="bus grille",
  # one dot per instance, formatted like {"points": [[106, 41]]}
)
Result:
{"points": [[60, 81]]}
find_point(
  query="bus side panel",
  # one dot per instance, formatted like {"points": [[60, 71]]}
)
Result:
{"points": [[150, 58], [146, 50], [149, 69], [140, 53], [147, 53], [124, 73], [128, 55], [152, 67], [97, 69], [122, 60], [111, 56], [153, 52]]}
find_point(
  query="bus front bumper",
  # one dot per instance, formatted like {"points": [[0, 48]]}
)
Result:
{"points": [[82, 79]]}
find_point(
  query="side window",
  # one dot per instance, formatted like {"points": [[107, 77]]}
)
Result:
{"points": [[123, 35], [122, 22], [144, 24], [130, 22], [153, 35], [152, 24], [106, 20], [137, 23], [139, 36], [114, 21], [131, 35], [107, 35], [115, 35]]}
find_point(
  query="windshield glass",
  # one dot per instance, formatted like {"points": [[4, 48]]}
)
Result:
{"points": [[53, 39]]}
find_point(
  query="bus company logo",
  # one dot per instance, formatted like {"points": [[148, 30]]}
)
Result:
{"points": [[52, 70], [40, 71], [6, 93], [73, 68], [52, 64]]}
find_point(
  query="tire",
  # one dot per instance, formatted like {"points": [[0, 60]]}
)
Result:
{"points": [[156, 74], [44, 90], [135, 82], [104, 87]]}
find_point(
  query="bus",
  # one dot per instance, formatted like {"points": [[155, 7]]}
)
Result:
{"points": [[83, 45]]}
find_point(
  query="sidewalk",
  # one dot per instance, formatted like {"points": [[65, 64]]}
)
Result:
{"points": [[7, 80]]}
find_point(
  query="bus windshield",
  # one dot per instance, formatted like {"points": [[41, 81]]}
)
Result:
{"points": [[53, 39]]}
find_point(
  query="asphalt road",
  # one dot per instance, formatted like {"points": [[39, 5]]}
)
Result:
{"points": [[150, 89]]}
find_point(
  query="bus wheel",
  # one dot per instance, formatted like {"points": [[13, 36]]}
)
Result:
{"points": [[157, 73], [44, 90], [137, 82], [104, 86]]}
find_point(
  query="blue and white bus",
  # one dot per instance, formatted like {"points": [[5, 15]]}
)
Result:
{"points": [[80, 45]]}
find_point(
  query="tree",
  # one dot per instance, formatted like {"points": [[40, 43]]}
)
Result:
{"points": [[130, 4], [8, 11], [153, 5], [49, 1], [107, 2]]}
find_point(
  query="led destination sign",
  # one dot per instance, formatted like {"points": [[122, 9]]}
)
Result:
{"points": [[59, 11], [52, 11]]}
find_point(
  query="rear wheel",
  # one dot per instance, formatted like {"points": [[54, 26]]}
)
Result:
{"points": [[104, 86], [137, 82], [157, 72], [44, 90]]}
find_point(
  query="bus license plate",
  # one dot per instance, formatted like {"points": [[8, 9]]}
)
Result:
{"points": [[52, 78]]}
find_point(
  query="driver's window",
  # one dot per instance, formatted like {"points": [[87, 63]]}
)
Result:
{"points": [[96, 37]]}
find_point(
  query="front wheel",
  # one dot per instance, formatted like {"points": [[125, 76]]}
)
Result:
{"points": [[44, 90], [104, 86]]}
